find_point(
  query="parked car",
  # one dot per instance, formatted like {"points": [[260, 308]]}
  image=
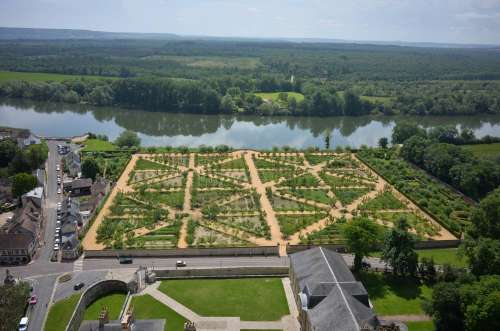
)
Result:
{"points": [[23, 324], [56, 247], [78, 286], [125, 259], [33, 300], [59, 190], [58, 168], [365, 265], [180, 263]]}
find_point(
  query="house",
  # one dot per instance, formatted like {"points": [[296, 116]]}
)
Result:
{"points": [[19, 237], [35, 196], [78, 187], [327, 294], [5, 191], [73, 164], [70, 247]]}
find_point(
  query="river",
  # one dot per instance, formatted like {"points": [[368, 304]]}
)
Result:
{"points": [[155, 129]]}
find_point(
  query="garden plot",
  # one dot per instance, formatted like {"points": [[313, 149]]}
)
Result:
{"points": [[246, 198]]}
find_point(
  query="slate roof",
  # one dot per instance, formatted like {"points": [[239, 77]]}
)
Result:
{"points": [[15, 240], [335, 300], [81, 182]]}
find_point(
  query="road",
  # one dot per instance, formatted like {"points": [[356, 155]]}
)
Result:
{"points": [[42, 287]]}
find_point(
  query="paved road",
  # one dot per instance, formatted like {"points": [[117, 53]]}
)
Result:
{"points": [[65, 290], [42, 287]]}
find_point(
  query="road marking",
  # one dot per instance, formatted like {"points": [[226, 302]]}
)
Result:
{"points": [[78, 265]]}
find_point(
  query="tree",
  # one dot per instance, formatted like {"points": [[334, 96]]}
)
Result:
{"points": [[362, 236], [12, 304], [383, 142], [23, 183], [445, 307], [36, 155], [128, 139], [482, 304], [483, 256], [398, 250], [413, 149], [485, 218], [427, 269], [8, 149], [90, 168], [227, 104], [404, 130]]}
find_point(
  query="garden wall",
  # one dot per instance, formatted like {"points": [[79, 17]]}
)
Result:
{"points": [[428, 244], [90, 295], [186, 252], [240, 272]]}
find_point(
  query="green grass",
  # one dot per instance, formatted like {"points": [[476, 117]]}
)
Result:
{"points": [[146, 307], [252, 299], [113, 302], [395, 296], [273, 96], [259, 330], [482, 150], [6, 76], [60, 313], [420, 326], [440, 256], [143, 164], [96, 145]]}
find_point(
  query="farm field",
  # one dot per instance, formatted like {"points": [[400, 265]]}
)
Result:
{"points": [[274, 96], [97, 145], [247, 198], [484, 150], [6, 76]]}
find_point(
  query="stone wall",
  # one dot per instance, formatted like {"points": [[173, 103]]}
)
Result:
{"points": [[240, 272], [185, 252], [91, 294]]}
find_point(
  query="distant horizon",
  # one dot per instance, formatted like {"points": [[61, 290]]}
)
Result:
{"points": [[469, 22], [270, 38]]}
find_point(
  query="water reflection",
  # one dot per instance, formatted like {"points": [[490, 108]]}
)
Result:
{"points": [[55, 119]]}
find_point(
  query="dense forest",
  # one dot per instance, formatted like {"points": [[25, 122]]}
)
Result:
{"points": [[214, 76]]}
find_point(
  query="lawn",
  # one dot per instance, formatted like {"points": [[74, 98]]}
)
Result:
{"points": [[274, 96], [395, 296], [440, 256], [97, 145], [60, 313], [6, 76], [482, 150], [252, 299], [113, 302], [420, 326], [146, 307]]}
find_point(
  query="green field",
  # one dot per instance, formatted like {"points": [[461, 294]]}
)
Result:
{"points": [[420, 326], [209, 61], [482, 150], [60, 313], [273, 96], [441, 256], [6, 76], [113, 302], [395, 296], [252, 299], [382, 100], [96, 145], [146, 307]]}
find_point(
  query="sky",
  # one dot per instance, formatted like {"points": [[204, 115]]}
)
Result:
{"points": [[449, 21]]}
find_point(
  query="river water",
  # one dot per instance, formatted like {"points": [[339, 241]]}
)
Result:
{"points": [[158, 129]]}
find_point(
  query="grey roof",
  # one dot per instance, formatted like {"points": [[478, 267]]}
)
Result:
{"points": [[15, 240], [81, 182], [70, 242], [335, 300], [37, 192]]}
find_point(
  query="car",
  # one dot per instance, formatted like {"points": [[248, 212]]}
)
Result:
{"points": [[58, 223], [58, 228], [33, 300], [125, 259], [180, 263], [78, 286], [23, 324], [57, 240], [56, 247], [58, 168], [59, 217], [59, 191], [365, 265]]}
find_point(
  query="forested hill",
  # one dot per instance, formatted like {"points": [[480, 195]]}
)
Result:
{"points": [[52, 34], [253, 77]]}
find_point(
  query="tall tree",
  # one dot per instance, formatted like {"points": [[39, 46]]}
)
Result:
{"points": [[399, 249], [362, 236], [90, 168], [23, 183], [128, 139]]}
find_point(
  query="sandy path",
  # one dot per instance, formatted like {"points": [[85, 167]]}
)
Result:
{"points": [[90, 240], [264, 201], [182, 243]]}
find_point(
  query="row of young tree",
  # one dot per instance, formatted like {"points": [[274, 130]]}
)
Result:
{"points": [[437, 152]]}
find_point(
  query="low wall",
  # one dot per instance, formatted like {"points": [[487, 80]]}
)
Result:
{"points": [[90, 295], [428, 244], [240, 272], [185, 252]]}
